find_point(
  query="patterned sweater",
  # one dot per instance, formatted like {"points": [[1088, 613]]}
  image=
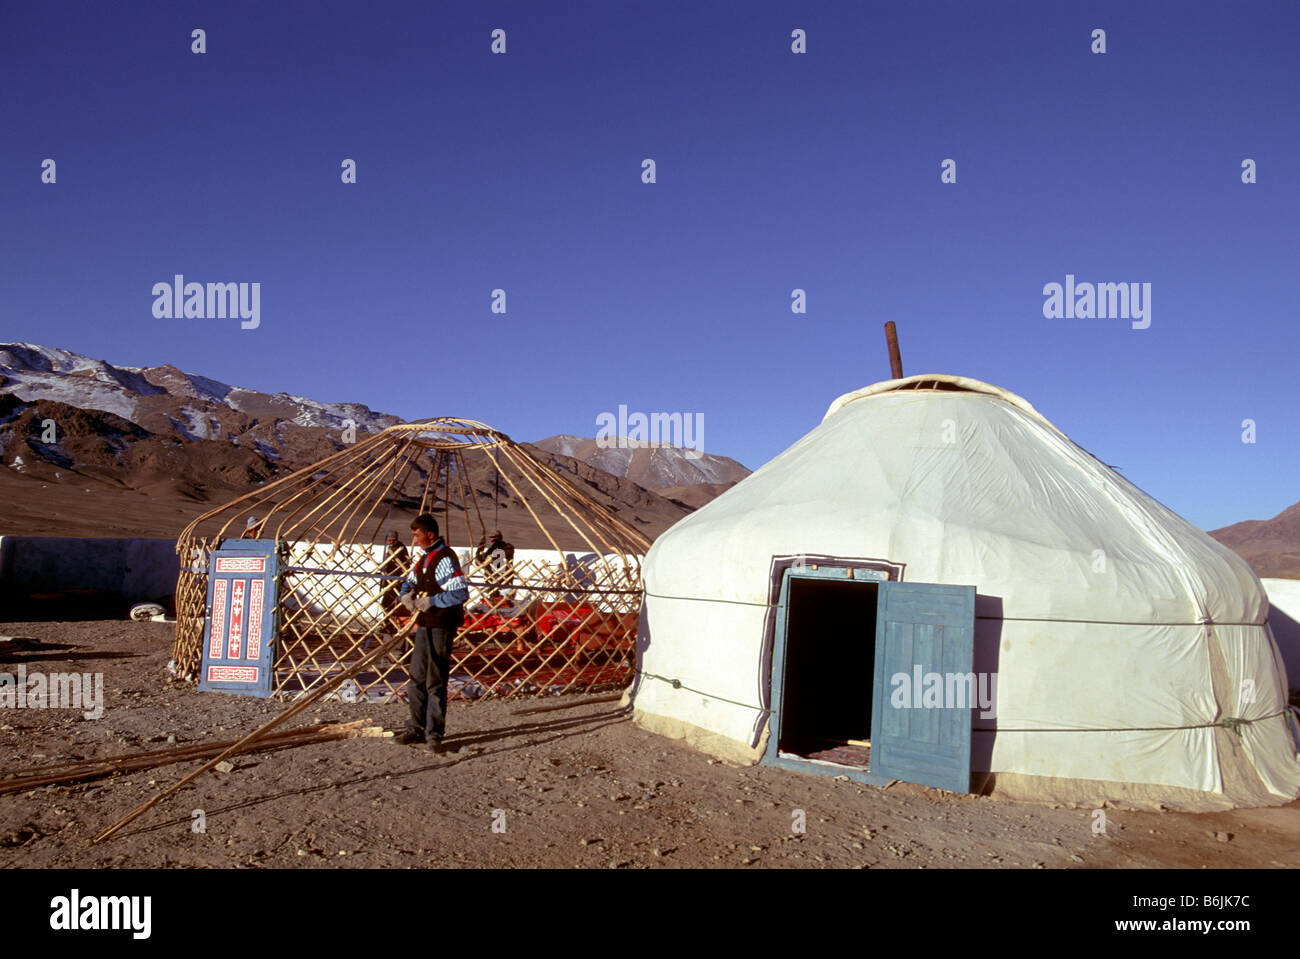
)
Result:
{"points": [[437, 574]]}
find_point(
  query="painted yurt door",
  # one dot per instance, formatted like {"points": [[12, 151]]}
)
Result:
{"points": [[239, 635], [924, 687]]}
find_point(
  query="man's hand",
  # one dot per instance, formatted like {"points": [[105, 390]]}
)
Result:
{"points": [[423, 603], [408, 600]]}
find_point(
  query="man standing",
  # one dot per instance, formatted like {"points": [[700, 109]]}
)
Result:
{"points": [[435, 592], [497, 561], [397, 563]]}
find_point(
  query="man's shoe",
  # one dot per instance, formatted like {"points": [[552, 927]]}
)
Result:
{"points": [[437, 747], [408, 737]]}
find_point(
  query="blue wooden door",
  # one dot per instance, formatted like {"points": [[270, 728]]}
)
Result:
{"points": [[923, 684], [239, 634]]}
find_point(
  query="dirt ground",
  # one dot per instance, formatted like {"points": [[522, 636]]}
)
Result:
{"points": [[554, 782]]}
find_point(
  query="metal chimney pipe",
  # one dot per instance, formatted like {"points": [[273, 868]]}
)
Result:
{"points": [[895, 358]]}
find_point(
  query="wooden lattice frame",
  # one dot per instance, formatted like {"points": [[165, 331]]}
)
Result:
{"points": [[561, 621]]}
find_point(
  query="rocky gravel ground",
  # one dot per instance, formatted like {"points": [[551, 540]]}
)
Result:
{"points": [[555, 782]]}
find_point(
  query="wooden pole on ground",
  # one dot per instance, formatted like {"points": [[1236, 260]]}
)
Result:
{"points": [[89, 769], [262, 730]]}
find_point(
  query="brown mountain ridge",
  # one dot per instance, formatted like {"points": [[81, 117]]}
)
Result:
{"points": [[1271, 546]]}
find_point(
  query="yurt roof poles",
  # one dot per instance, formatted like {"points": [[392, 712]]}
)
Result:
{"points": [[327, 587]]}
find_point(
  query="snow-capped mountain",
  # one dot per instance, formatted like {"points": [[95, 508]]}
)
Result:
{"points": [[169, 402], [185, 440], [657, 466]]}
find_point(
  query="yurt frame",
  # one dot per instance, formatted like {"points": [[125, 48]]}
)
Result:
{"points": [[558, 620]]}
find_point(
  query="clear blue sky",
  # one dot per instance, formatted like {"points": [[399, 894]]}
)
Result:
{"points": [[775, 171]]}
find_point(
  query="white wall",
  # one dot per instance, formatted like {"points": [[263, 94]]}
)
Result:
{"points": [[1284, 619], [344, 592]]}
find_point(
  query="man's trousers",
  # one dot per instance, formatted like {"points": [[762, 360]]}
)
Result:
{"points": [[427, 689]]}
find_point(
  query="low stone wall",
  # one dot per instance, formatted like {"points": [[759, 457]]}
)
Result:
{"points": [[53, 577]]}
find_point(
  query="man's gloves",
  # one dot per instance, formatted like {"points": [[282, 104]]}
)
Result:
{"points": [[413, 603]]}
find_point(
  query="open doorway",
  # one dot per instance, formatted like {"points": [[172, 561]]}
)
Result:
{"points": [[829, 660]]}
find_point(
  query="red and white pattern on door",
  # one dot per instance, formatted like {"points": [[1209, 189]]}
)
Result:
{"points": [[255, 590], [241, 564], [217, 641], [232, 674], [237, 588]]}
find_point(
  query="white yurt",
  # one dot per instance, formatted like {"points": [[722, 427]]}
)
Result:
{"points": [[957, 533], [1284, 621]]}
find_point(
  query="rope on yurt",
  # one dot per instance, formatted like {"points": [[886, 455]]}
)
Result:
{"points": [[678, 684], [710, 599], [1005, 619], [1233, 724], [1292, 727]]}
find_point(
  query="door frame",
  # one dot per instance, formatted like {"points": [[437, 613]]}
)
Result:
{"points": [[771, 755]]}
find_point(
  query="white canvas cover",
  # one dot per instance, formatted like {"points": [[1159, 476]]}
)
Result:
{"points": [[1119, 632]]}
